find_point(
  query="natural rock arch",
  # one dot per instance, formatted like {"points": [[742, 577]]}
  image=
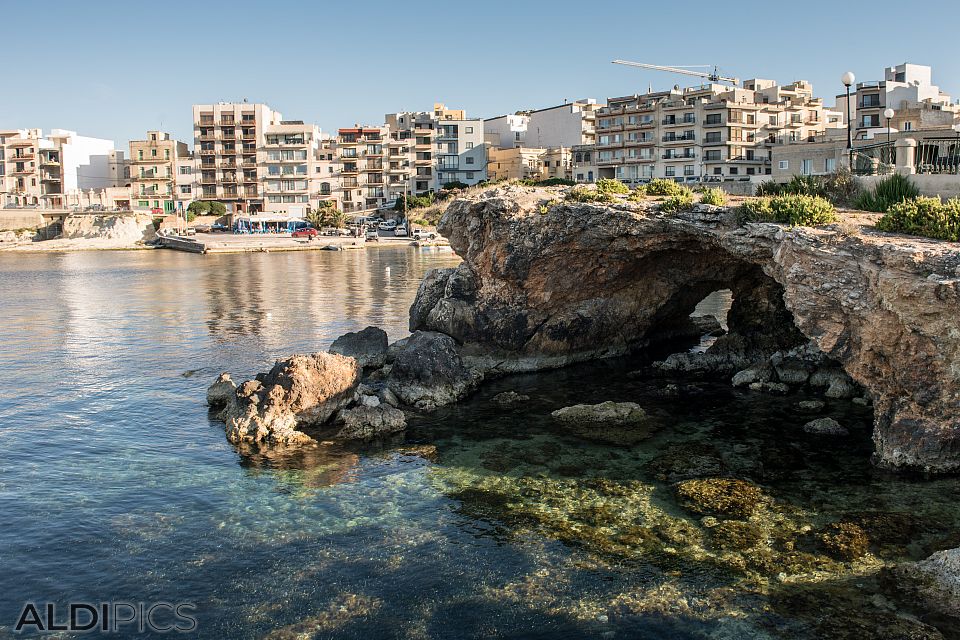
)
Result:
{"points": [[545, 283]]}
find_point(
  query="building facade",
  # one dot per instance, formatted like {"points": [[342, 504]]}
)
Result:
{"points": [[708, 133], [228, 140], [153, 177], [38, 171], [908, 89]]}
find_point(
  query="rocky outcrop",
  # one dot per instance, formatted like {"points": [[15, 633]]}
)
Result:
{"points": [[933, 583], [368, 346], [369, 422], [304, 390], [119, 228], [618, 423], [429, 372], [546, 282]]}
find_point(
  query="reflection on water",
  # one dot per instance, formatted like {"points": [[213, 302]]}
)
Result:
{"points": [[478, 522]]}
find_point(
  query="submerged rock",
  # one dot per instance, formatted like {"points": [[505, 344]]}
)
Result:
{"points": [[620, 423], [368, 346], [429, 372], [825, 427], [811, 406], [845, 541], [367, 423], [510, 398], [720, 496], [684, 461]]}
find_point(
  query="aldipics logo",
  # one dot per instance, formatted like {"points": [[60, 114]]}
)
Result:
{"points": [[108, 617]]}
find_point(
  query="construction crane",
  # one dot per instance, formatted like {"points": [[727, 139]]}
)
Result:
{"points": [[687, 71]]}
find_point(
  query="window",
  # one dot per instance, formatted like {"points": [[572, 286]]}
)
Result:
{"points": [[469, 175], [734, 171], [185, 170], [516, 135], [153, 153], [688, 170], [806, 167], [713, 118], [468, 129], [784, 165], [718, 171], [908, 126], [830, 165], [185, 189], [713, 136], [670, 171], [469, 145], [469, 160]]}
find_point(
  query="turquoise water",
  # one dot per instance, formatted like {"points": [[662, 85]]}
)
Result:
{"points": [[480, 521]]}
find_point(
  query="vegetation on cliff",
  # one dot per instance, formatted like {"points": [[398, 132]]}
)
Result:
{"points": [[928, 217]]}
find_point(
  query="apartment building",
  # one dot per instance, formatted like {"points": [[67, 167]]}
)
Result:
{"points": [[584, 163], [442, 146], [908, 89], [288, 159], [228, 138], [360, 151], [38, 170], [710, 132], [153, 177], [563, 125], [186, 186]]}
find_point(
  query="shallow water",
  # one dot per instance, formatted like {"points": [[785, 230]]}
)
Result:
{"points": [[480, 521]]}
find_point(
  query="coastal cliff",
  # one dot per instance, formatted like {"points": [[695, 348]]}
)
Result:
{"points": [[546, 282]]}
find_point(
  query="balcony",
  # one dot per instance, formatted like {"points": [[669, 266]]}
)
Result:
{"points": [[249, 177], [206, 137], [207, 152], [248, 149], [685, 156], [684, 138], [229, 177], [49, 177], [45, 160], [349, 168], [228, 122], [28, 155], [208, 179]]}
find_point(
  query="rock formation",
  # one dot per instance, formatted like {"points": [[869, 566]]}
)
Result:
{"points": [[368, 347], [546, 282], [119, 228], [429, 372]]}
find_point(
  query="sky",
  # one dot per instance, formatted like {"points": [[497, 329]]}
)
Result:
{"points": [[116, 69]]}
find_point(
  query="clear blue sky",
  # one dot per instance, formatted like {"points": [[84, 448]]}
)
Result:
{"points": [[116, 69]]}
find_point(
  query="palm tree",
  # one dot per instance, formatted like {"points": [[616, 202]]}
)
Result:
{"points": [[337, 218]]}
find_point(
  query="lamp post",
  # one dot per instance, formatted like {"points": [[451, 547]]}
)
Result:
{"points": [[888, 114], [848, 79], [956, 147]]}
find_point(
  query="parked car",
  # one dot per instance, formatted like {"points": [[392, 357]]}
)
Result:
{"points": [[420, 234], [387, 225], [305, 232], [371, 235], [219, 227], [400, 231], [203, 228]]}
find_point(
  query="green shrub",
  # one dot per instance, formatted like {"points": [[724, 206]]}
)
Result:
{"points": [[927, 217], [157, 221], [663, 187], [606, 185], [841, 187], [887, 192], [797, 210], [678, 202], [716, 196], [582, 194], [549, 182], [455, 184], [806, 186], [217, 208], [756, 210], [770, 188], [414, 202], [638, 194], [199, 207]]}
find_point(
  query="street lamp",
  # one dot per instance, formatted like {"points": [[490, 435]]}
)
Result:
{"points": [[848, 79], [888, 114], [956, 146]]}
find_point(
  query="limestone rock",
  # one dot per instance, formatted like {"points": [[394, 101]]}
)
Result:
{"points": [[222, 392], [825, 427], [510, 398], [934, 582], [368, 347], [368, 422], [301, 390], [619, 423], [429, 372], [811, 406], [590, 281]]}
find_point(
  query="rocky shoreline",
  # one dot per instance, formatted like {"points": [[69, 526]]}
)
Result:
{"points": [[865, 318]]}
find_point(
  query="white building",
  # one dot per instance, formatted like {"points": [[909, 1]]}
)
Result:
{"points": [[564, 125]]}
